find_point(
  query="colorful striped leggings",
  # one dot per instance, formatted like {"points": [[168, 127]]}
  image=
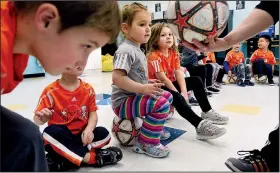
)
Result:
{"points": [[154, 110]]}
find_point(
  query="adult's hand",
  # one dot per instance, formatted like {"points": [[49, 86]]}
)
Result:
{"points": [[214, 45]]}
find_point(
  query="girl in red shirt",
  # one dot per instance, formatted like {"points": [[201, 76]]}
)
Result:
{"points": [[164, 65]]}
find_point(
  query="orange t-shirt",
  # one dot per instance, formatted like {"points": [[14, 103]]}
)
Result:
{"points": [[210, 57], [268, 56], [12, 65], [157, 62], [233, 58], [70, 108]]}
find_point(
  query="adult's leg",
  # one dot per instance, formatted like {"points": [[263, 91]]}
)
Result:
{"points": [[266, 160], [270, 152], [22, 148], [199, 71], [220, 75], [209, 75]]}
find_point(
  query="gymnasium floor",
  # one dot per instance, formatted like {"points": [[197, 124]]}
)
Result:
{"points": [[253, 113]]}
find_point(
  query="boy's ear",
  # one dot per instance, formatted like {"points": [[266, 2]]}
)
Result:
{"points": [[124, 27], [46, 16]]}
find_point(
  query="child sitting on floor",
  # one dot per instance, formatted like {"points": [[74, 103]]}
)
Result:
{"points": [[72, 138], [263, 59], [234, 64]]}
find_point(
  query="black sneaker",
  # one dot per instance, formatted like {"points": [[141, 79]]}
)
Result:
{"points": [[253, 162], [108, 156], [271, 82], [241, 83], [193, 102], [213, 90], [249, 83], [57, 163], [208, 94]]}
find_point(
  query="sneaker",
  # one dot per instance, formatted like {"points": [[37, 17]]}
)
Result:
{"points": [[221, 83], [171, 113], [214, 117], [271, 82], [208, 94], [157, 151], [241, 83], [253, 162], [57, 163], [164, 135], [249, 83], [108, 156], [193, 102], [206, 130], [262, 77], [213, 90], [217, 86]]}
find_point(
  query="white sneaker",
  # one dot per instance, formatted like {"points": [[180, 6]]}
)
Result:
{"points": [[214, 117], [206, 130]]}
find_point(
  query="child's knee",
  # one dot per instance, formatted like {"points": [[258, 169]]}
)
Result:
{"points": [[167, 95], [102, 132], [54, 130]]}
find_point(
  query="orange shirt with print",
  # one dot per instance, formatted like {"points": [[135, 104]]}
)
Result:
{"points": [[157, 62], [69, 108], [267, 56], [210, 57], [233, 58], [12, 65]]}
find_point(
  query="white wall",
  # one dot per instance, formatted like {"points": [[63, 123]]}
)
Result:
{"points": [[94, 60], [238, 15]]}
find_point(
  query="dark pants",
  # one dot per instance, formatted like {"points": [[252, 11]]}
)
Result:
{"points": [[70, 146], [22, 148], [260, 67], [270, 152], [209, 75], [199, 71], [183, 108], [195, 84], [221, 75]]}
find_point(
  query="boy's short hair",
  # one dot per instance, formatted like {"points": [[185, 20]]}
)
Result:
{"points": [[268, 39], [102, 15], [129, 11]]}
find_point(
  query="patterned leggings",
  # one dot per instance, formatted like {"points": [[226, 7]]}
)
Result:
{"points": [[155, 112], [216, 68], [241, 72]]}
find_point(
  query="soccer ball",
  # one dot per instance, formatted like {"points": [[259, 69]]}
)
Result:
{"points": [[261, 80], [198, 20], [126, 130], [232, 79]]}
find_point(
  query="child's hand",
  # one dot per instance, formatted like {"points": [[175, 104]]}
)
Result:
{"points": [[44, 115], [87, 136], [152, 89]]}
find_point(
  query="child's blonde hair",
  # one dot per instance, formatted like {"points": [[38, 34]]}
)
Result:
{"points": [[155, 35], [129, 11]]}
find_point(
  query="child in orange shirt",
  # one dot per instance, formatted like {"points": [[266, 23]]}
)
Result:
{"points": [[164, 65], [263, 59], [69, 107], [234, 63], [61, 35], [218, 71]]}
